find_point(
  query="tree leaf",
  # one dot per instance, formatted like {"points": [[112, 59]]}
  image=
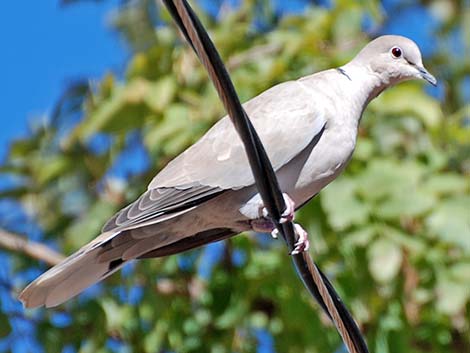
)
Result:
{"points": [[409, 203], [445, 183], [386, 177], [451, 295], [450, 221], [385, 259], [161, 93], [343, 207], [410, 99]]}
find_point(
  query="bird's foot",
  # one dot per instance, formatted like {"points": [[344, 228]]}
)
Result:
{"points": [[288, 214], [302, 244], [265, 225]]}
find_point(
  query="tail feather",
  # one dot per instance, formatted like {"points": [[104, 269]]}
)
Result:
{"points": [[102, 257], [71, 276]]}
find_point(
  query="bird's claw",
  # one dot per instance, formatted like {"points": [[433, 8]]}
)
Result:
{"points": [[302, 244], [275, 233], [287, 215], [266, 225]]}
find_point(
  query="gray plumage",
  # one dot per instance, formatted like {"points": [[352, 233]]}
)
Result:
{"points": [[309, 129]]}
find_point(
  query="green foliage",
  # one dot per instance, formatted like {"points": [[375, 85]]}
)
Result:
{"points": [[393, 232]]}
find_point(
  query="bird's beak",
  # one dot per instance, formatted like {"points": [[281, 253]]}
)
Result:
{"points": [[425, 75]]}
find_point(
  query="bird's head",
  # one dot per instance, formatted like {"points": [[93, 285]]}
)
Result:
{"points": [[394, 59]]}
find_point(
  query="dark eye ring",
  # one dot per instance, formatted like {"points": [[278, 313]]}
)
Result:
{"points": [[396, 52]]}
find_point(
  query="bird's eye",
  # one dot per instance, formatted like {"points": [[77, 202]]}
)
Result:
{"points": [[396, 52]]}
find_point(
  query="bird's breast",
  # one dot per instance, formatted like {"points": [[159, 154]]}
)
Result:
{"points": [[319, 164]]}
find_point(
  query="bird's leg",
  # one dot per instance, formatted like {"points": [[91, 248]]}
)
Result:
{"points": [[265, 225], [288, 214], [302, 244]]}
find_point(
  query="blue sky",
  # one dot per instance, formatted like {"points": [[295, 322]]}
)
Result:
{"points": [[45, 45]]}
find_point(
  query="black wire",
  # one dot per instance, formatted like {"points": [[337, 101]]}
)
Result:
{"points": [[348, 320], [263, 172]]}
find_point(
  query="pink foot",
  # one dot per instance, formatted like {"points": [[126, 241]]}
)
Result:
{"points": [[288, 214], [302, 244], [263, 225], [266, 225]]}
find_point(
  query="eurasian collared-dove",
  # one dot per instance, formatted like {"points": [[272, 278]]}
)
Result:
{"points": [[309, 129]]}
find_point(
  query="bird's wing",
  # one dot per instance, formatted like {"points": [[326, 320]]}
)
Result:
{"points": [[159, 204], [286, 120]]}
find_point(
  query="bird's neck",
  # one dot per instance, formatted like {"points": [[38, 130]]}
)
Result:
{"points": [[367, 84]]}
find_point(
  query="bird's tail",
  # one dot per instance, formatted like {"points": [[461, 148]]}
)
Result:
{"points": [[71, 276]]}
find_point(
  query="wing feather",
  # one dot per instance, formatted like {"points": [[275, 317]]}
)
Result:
{"points": [[171, 202], [285, 118]]}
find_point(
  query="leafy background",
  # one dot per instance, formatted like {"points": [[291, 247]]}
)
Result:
{"points": [[393, 233]]}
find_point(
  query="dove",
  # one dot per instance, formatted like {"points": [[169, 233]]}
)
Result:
{"points": [[309, 129]]}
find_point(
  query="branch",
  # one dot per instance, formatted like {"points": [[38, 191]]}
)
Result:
{"points": [[38, 251]]}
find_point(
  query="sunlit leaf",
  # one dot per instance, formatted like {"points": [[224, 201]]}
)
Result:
{"points": [[387, 177], [410, 99], [385, 259], [51, 168], [446, 183], [344, 208], [451, 295], [408, 203], [450, 221]]}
